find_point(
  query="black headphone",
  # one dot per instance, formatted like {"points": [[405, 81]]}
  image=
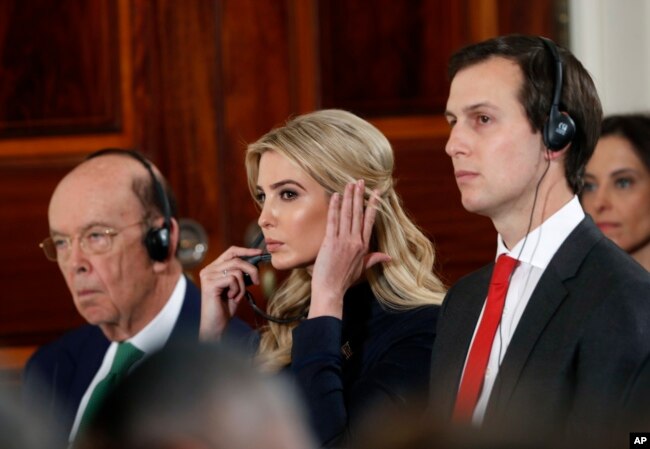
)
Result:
{"points": [[559, 127], [156, 240]]}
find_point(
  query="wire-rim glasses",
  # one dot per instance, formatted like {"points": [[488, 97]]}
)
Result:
{"points": [[95, 240]]}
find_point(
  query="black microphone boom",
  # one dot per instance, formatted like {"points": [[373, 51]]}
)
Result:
{"points": [[255, 260]]}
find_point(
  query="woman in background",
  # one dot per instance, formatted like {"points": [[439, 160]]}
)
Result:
{"points": [[361, 271], [617, 184]]}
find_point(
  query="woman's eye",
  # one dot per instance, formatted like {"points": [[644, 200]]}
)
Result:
{"points": [[589, 187], [484, 119], [260, 198], [288, 194], [623, 183]]}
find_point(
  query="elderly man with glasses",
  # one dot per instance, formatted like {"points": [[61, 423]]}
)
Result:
{"points": [[113, 235]]}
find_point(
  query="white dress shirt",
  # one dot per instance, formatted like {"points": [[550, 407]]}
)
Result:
{"points": [[534, 253]]}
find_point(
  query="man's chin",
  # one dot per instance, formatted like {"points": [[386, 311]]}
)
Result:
{"points": [[93, 315], [473, 206]]}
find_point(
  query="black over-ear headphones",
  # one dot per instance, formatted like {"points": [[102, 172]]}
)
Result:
{"points": [[156, 240], [559, 127]]}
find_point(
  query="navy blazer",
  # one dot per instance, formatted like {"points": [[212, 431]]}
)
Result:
{"points": [[343, 368], [373, 356], [583, 333], [59, 373]]}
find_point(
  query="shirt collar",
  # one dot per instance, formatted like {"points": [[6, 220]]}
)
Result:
{"points": [[542, 243], [155, 334]]}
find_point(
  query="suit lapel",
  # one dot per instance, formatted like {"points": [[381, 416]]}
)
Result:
{"points": [[86, 364], [187, 324], [460, 315], [547, 297], [545, 300]]}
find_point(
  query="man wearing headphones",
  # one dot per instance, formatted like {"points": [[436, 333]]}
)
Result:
{"points": [[540, 344], [113, 235]]}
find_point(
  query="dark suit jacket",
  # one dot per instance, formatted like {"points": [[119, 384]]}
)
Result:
{"points": [[58, 374], [582, 335], [636, 417]]}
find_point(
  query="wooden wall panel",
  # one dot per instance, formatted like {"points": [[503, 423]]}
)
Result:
{"points": [[387, 58], [60, 68], [35, 304], [527, 17]]}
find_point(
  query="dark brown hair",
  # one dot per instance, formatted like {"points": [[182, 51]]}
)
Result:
{"points": [[633, 127]]}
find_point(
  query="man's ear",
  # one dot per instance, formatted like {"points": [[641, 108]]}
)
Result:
{"points": [[551, 155], [174, 235]]}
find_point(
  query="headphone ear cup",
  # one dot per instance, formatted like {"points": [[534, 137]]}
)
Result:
{"points": [[558, 130], [157, 243]]}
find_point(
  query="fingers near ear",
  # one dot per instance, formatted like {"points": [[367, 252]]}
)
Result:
{"points": [[345, 223], [372, 259], [332, 229], [369, 218], [357, 207]]}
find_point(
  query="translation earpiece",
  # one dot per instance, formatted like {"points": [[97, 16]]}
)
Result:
{"points": [[157, 242], [559, 128]]}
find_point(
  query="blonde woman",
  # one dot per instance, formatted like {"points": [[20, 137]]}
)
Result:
{"points": [[361, 270]]}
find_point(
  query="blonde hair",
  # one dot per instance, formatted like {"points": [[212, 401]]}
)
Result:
{"points": [[336, 147]]}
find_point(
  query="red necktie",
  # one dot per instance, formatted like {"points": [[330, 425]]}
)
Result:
{"points": [[479, 353]]}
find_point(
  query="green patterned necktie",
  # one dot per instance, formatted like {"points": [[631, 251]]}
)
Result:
{"points": [[125, 357]]}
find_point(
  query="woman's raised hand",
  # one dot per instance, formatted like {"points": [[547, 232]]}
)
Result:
{"points": [[343, 256], [222, 288]]}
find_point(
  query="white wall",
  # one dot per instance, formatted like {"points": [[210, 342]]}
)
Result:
{"points": [[612, 39]]}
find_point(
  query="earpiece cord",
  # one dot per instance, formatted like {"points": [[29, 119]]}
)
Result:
{"points": [[521, 250], [532, 212], [268, 317], [259, 239]]}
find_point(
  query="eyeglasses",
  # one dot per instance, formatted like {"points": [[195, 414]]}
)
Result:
{"points": [[96, 240]]}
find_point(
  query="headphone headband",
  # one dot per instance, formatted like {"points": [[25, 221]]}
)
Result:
{"points": [[157, 240], [557, 89], [559, 127]]}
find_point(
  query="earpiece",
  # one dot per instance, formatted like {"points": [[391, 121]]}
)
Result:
{"points": [[559, 127], [156, 240], [157, 243]]}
